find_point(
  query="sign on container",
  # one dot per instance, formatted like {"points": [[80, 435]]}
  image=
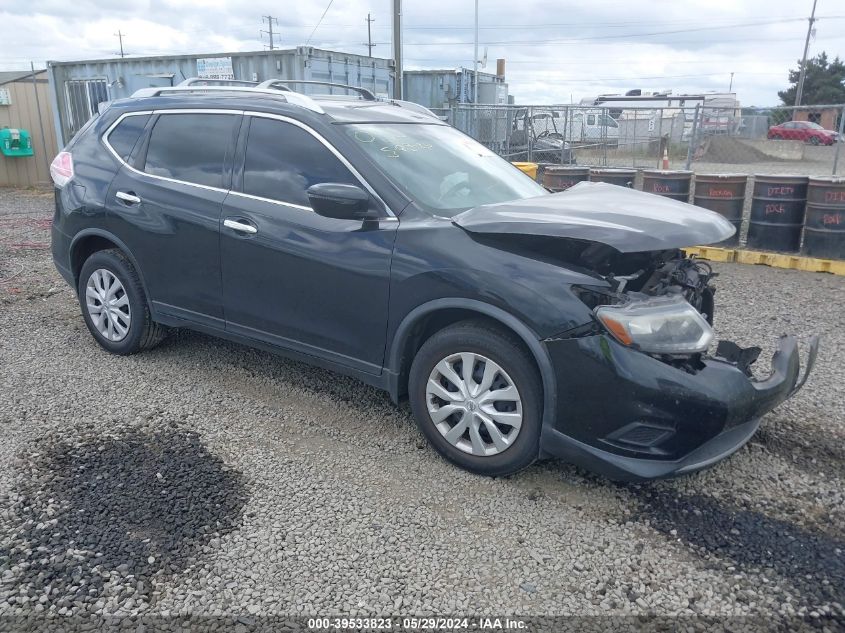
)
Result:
{"points": [[215, 68]]}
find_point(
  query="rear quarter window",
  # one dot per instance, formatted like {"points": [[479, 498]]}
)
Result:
{"points": [[124, 136]]}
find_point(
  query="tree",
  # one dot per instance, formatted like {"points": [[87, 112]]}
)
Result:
{"points": [[824, 82]]}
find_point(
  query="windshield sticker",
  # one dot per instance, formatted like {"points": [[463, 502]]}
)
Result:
{"points": [[364, 137]]}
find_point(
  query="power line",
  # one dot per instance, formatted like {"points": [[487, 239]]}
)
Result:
{"points": [[610, 37], [579, 41], [329, 6], [270, 19]]}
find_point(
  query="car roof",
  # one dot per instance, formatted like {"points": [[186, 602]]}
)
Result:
{"points": [[331, 110]]}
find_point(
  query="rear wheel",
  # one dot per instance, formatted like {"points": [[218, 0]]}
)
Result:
{"points": [[814, 140], [777, 137], [475, 394], [114, 305]]}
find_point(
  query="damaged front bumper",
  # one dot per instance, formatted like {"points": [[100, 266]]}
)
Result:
{"points": [[629, 416]]}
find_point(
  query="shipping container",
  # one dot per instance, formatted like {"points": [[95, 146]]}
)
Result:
{"points": [[77, 87], [441, 89]]}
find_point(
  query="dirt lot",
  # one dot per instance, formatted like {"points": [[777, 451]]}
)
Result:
{"points": [[204, 478]]}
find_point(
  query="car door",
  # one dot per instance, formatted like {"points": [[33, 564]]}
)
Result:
{"points": [[291, 277], [165, 205], [789, 131]]}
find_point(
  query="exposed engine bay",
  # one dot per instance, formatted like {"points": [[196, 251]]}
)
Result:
{"points": [[671, 273], [630, 275]]}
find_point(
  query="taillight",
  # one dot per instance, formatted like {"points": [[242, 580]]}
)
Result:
{"points": [[61, 169]]}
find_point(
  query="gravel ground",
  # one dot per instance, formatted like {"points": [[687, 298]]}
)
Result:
{"points": [[208, 479]]}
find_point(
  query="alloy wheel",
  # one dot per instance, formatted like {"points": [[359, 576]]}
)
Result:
{"points": [[474, 404], [108, 305]]}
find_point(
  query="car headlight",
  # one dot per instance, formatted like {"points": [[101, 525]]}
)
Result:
{"points": [[663, 325]]}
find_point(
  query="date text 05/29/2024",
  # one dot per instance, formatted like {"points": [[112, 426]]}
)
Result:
{"points": [[417, 624]]}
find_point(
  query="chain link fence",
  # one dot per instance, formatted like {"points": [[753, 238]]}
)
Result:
{"points": [[777, 140]]}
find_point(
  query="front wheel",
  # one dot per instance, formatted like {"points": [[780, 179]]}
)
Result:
{"points": [[114, 305], [476, 396]]}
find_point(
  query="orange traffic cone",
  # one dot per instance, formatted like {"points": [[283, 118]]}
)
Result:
{"points": [[665, 158]]}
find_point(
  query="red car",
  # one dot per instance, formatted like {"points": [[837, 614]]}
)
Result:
{"points": [[803, 131]]}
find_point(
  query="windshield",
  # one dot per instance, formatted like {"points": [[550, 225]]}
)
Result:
{"points": [[441, 169], [813, 126]]}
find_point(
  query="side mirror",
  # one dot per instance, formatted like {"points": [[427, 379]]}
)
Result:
{"points": [[343, 202]]}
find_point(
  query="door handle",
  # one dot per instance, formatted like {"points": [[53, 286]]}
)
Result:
{"points": [[237, 225], [129, 198]]}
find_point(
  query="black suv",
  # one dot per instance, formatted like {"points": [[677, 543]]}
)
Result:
{"points": [[373, 239]]}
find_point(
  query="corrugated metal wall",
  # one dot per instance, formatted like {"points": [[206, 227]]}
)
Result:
{"points": [[28, 171], [123, 77], [445, 88]]}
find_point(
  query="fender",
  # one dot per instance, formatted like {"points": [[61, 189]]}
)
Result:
{"points": [[122, 246], [531, 340]]}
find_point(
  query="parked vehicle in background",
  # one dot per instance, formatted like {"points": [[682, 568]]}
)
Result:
{"points": [[806, 131], [372, 239], [579, 128], [592, 128], [540, 131]]}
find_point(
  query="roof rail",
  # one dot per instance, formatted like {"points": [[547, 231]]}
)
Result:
{"points": [[187, 88], [202, 81], [366, 94]]}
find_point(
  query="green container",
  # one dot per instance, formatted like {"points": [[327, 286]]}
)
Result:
{"points": [[14, 142]]}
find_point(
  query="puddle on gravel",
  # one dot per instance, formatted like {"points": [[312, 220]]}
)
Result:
{"points": [[812, 562], [99, 515]]}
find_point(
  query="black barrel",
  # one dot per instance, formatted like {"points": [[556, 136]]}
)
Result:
{"points": [[824, 225], [724, 194], [777, 212], [673, 184], [621, 177], [558, 178]]}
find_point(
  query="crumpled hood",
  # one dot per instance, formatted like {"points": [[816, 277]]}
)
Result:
{"points": [[630, 221]]}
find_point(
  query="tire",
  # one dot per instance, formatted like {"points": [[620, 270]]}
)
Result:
{"points": [[512, 365], [814, 140], [777, 137], [141, 332]]}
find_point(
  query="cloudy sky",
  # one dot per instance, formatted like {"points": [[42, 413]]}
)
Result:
{"points": [[556, 50]]}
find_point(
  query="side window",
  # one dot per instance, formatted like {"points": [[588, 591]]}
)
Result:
{"points": [[591, 119], [123, 138], [282, 160], [190, 147]]}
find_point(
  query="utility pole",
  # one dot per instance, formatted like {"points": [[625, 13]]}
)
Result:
{"points": [[475, 59], [730, 88], [270, 19], [397, 48], [119, 36], [369, 36], [800, 92]]}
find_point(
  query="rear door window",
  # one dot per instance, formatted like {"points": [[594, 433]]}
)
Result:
{"points": [[123, 137], [191, 147], [282, 160]]}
